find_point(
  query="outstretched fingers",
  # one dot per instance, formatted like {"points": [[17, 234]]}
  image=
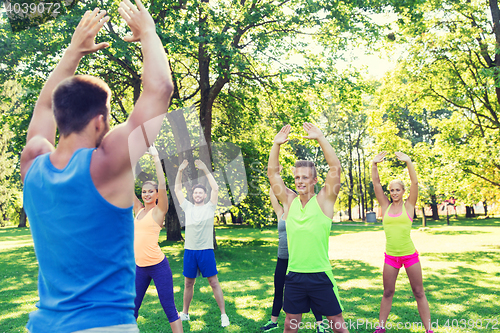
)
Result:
{"points": [[86, 31], [379, 157], [97, 21], [124, 12], [140, 5], [286, 129], [403, 157]]}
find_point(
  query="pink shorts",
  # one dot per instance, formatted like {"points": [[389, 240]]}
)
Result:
{"points": [[398, 262]]}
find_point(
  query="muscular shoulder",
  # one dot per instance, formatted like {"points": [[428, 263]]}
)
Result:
{"points": [[37, 146]]}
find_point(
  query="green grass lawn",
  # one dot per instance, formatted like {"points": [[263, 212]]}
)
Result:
{"points": [[460, 267]]}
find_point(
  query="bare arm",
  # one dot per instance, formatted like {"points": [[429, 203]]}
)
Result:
{"points": [[273, 168], [137, 205], [214, 195], [413, 196], [42, 128], [162, 207], [278, 209], [178, 182], [377, 187], [122, 147], [328, 194]]}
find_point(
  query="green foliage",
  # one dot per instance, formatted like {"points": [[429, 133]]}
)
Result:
{"points": [[10, 184], [452, 65]]}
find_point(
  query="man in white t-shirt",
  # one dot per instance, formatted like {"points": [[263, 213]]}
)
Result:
{"points": [[199, 245]]}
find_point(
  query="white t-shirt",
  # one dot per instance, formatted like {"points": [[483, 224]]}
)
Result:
{"points": [[199, 225]]}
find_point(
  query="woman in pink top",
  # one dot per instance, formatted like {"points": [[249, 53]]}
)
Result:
{"points": [[151, 263]]}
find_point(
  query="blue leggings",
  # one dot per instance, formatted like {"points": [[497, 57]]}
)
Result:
{"points": [[279, 284], [162, 277]]}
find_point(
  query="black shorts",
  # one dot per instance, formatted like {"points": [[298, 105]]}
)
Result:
{"points": [[305, 291]]}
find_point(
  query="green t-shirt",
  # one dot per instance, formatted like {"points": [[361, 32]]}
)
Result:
{"points": [[308, 232]]}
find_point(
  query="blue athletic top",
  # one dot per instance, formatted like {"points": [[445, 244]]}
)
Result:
{"points": [[84, 246]]}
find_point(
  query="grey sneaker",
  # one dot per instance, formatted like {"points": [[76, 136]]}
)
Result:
{"points": [[184, 316]]}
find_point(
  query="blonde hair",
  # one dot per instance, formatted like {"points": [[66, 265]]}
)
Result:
{"points": [[397, 181], [307, 164]]}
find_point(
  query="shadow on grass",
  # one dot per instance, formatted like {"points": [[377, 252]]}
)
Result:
{"points": [[462, 221], [472, 257], [18, 287], [14, 234], [466, 290], [456, 232]]}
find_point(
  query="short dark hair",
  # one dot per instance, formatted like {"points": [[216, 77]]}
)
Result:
{"points": [[199, 186], [77, 100], [307, 164]]}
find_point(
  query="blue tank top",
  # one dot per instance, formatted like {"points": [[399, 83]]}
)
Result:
{"points": [[84, 246]]}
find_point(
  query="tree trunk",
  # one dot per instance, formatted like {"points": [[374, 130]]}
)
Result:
{"points": [[469, 211], [485, 208], [215, 241], [360, 187], [4, 216], [351, 185], [22, 219], [434, 207], [172, 223], [424, 222], [170, 165]]}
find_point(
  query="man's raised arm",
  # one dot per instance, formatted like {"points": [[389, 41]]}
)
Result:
{"points": [[273, 168], [214, 195], [154, 100], [329, 193], [42, 127], [178, 182]]}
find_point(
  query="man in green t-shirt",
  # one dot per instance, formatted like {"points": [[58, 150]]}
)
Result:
{"points": [[309, 282]]}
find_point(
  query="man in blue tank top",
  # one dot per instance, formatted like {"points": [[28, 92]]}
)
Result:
{"points": [[78, 196]]}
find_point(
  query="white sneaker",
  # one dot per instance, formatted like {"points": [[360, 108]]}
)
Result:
{"points": [[184, 316], [224, 320]]}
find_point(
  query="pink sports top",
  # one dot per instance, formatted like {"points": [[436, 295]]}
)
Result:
{"points": [[147, 231]]}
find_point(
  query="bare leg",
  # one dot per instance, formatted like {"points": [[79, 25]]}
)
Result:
{"points": [[389, 276], [188, 293], [337, 323], [415, 275], [292, 322], [219, 297], [176, 326]]}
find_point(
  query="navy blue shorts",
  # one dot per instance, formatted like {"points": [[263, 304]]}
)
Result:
{"points": [[199, 261], [306, 291]]}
